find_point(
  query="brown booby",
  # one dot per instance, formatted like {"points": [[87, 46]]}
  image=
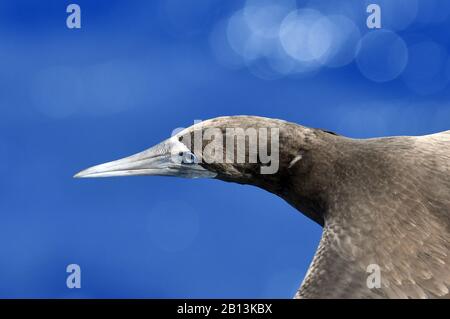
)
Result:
{"points": [[384, 203]]}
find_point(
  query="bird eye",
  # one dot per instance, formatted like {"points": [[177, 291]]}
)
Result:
{"points": [[188, 158]]}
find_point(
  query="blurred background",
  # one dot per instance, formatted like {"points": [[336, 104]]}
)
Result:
{"points": [[137, 70]]}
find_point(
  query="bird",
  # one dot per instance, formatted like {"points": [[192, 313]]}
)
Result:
{"points": [[383, 203]]}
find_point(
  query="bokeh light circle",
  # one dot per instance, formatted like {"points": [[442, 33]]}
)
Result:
{"points": [[320, 38], [302, 38], [382, 55], [238, 33], [281, 62], [344, 43], [349, 9], [265, 16]]}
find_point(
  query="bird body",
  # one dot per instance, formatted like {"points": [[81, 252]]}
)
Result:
{"points": [[384, 203], [390, 207]]}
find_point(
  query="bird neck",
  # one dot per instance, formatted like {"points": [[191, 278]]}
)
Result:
{"points": [[305, 179], [305, 161]]}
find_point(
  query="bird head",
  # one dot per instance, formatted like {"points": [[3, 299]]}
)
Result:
{"points": [[268, 153], [228, 148]]}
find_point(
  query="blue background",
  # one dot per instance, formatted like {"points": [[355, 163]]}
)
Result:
{"points": [[137, 70]]}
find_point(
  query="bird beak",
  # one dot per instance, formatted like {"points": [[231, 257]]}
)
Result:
{"points": [[160, 160]]}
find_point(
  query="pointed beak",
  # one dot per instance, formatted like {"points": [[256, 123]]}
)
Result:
{"points": [[154, 161], [160, 160]]}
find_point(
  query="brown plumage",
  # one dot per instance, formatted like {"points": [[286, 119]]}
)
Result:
{"points": [[381, 201]]}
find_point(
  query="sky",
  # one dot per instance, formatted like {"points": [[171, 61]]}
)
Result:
{"points": [[137, 70]]}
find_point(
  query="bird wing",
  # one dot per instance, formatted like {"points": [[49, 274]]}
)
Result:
{"points": [[408, 266]]}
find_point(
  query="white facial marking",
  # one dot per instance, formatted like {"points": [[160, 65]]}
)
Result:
{"points": [[295, 160]]}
